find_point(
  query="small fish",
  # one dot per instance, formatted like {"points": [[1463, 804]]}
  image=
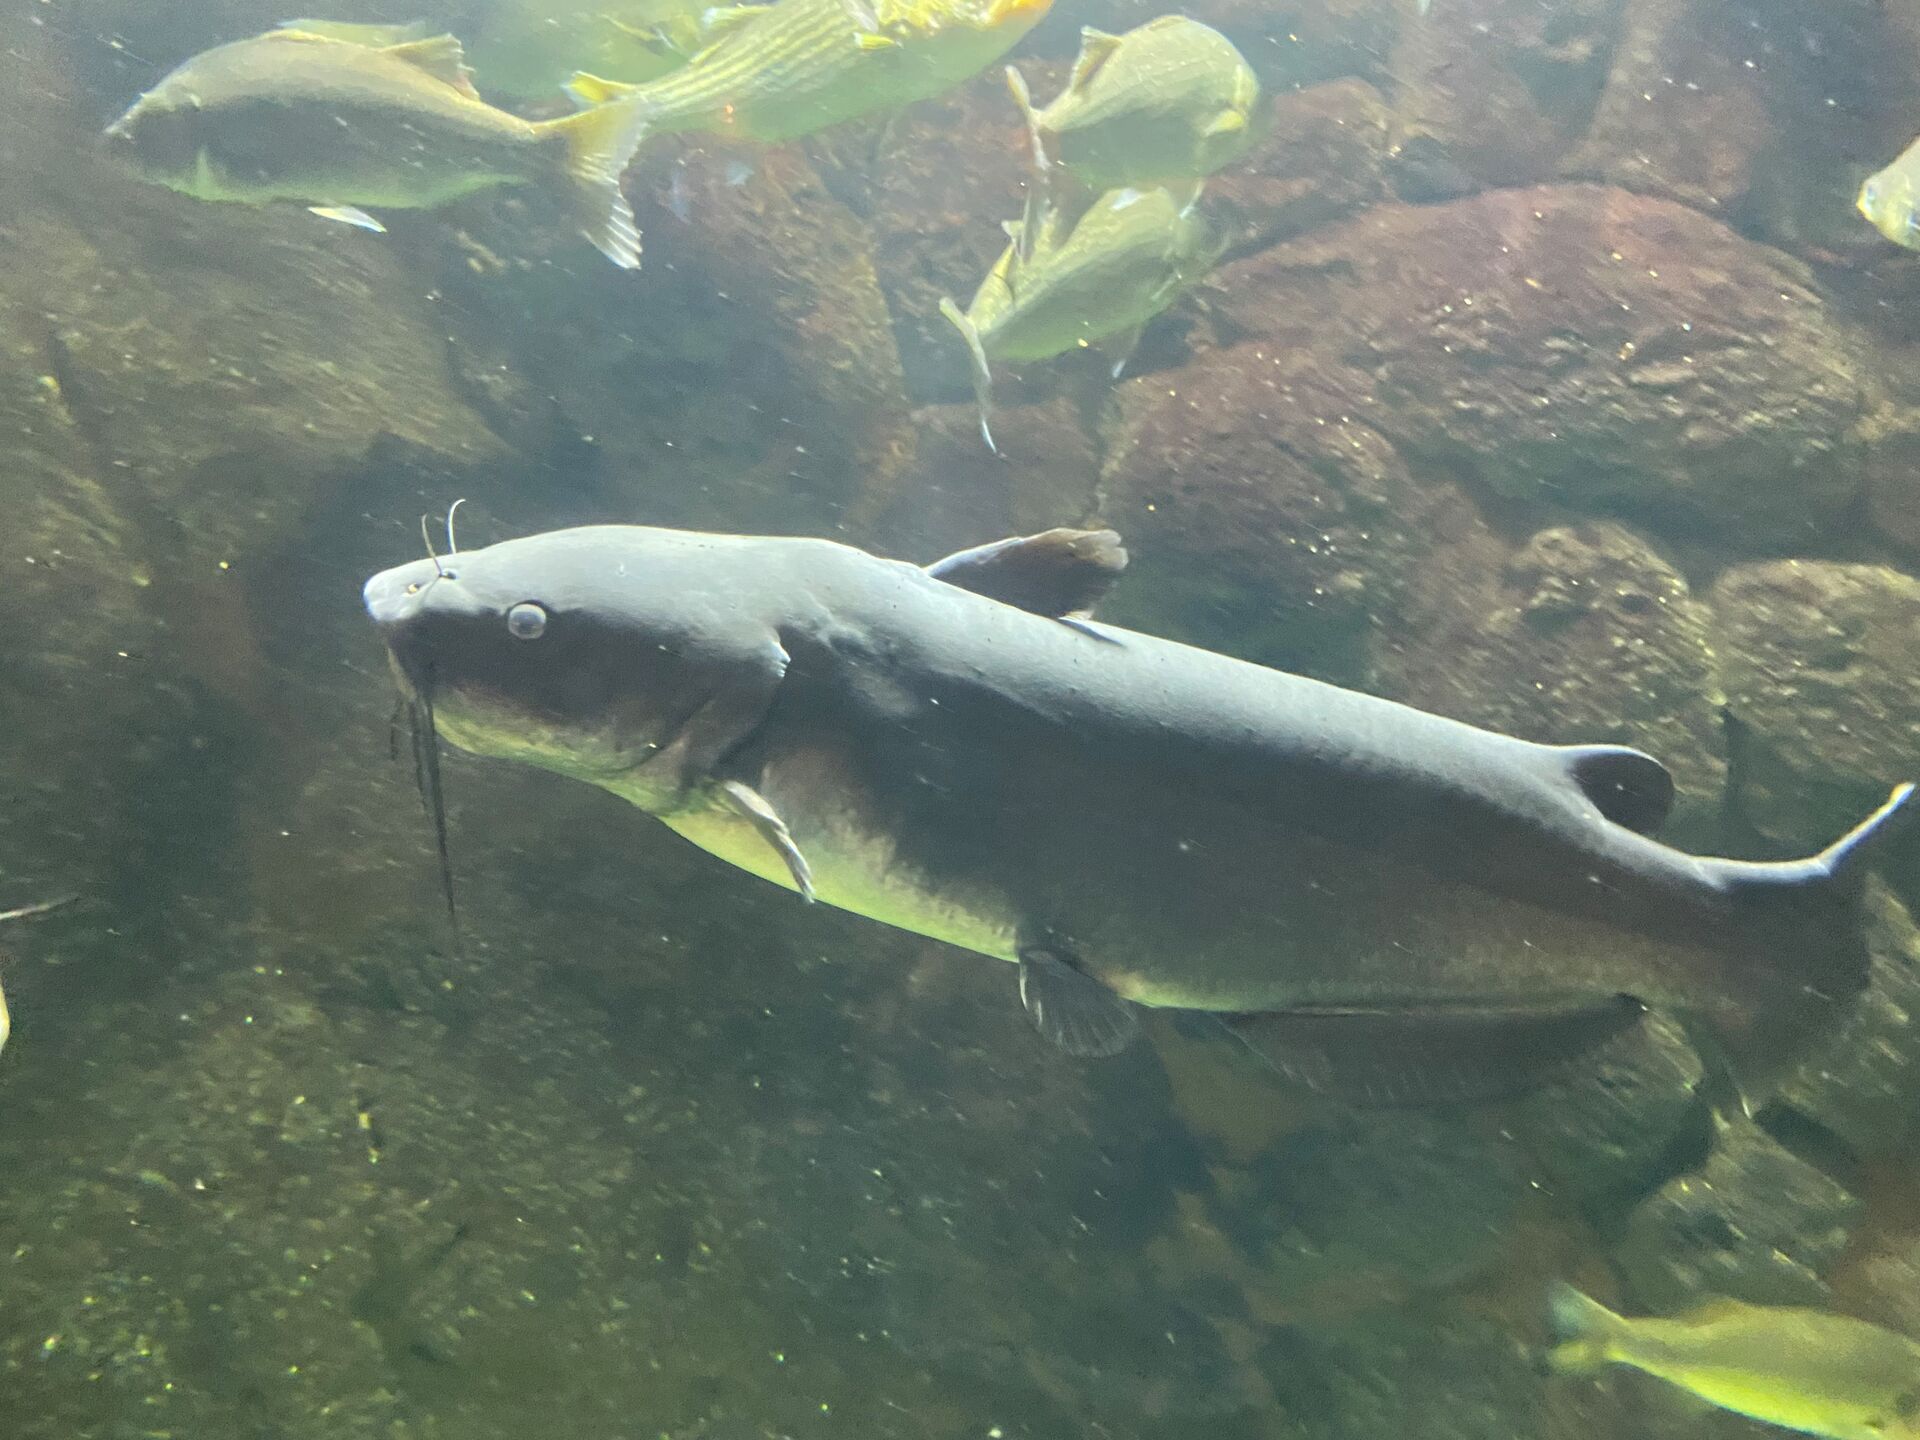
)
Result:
{"points": [[1168, 101], [1890, 199], [336, 124], [1803, 1370], [22, 913], [1054, 289], [782, 71]]}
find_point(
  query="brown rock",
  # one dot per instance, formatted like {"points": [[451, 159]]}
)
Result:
{"points": [[1583, 634], [1261, 515], [1682, 115], [1817, 659], [1324, 157], [1581, 346], [1502, 87]]}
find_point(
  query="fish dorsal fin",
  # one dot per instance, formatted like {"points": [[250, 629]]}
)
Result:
{"points": [[1628, 787], [1097, 47], [1413, 1055], [441, 57], [1056, 573]]}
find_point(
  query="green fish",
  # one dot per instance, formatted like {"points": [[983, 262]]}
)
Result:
{"points": [[1804, 1370], [1169, 101], [1056, 288], [1890, 199], [339, 124], [781, 71]]}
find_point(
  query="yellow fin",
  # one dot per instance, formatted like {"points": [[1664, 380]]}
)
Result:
{"points": [[1588, 1333], [867, 40], [1096, 48], [441, 57], [375, 37], [1226, 123], [600, 143], [592, 90], [982, 373]]}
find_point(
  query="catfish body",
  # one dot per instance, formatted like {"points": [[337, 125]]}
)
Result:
{"points": [[1134, 820]]}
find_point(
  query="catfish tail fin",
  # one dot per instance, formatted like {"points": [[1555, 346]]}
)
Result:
{"points": [[600, 143], [1587, 1332], [982, 373], [1804, 919]]}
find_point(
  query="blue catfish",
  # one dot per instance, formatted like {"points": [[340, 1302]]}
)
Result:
{"points": [[1385, 904]]}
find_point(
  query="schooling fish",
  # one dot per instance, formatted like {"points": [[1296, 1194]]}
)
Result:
{"points": [[1170, 101], [1801, 1369], [1890, 199], [781, 71], [337, 124], [1053, 289], [1383, 903]]}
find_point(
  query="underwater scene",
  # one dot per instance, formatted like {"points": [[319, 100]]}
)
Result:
{"points": [[959, 720]]}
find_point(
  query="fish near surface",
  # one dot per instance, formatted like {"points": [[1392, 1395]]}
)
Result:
{"points": [[1805, 1370], [1170, 101], [1058, 287], [1383, 903], [781, 71], [337, 124], [1889, 199]]}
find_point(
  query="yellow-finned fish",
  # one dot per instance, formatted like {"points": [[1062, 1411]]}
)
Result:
{"points": [[786, 70], [338, 124], [1056, 288], [1168, 101], [1890, 199], [1805, 1370]]}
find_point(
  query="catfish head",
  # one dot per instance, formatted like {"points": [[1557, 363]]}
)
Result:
{"points": [[631, 658]]}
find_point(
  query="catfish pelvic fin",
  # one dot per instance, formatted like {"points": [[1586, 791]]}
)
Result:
{"points": [[1072, 1009], [752, 804], [1057, 573], [1413, 1055]]}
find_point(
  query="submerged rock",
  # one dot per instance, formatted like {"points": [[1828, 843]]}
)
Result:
{"points": [[1326, 154], [1755, 1223], [1583, 634], [1818, 663], [1582, 347]]}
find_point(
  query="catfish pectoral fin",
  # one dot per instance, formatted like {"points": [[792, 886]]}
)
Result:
{"points": [[1072, 1009], [1413, 1056], [752, 804]]}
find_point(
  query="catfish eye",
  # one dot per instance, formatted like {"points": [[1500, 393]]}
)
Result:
{"points": [[526, 621]]}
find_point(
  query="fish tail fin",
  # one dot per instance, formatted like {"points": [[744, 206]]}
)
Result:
{"points": [[1586, 1333], [1023, 97], [1806, 917], [982, 373], [590, 90], [599, 145]]}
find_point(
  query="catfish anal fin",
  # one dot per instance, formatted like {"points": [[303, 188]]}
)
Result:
{"points": [[1396, 1057], [752, 804], [1072, 1009], [1056, 573]]}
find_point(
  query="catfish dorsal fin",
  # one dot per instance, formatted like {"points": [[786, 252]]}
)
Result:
{"points": [[1628, 787], [441, 57], [1097, 47], [1056, 573]]}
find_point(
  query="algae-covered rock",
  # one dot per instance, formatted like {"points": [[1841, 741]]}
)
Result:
{"points": [[1817, 659], [1863, 1083], [1325, 154], [1583, 634], [1583, 347], [1614, 1127], [1503, 86], [1755, 1222], [1262, 514], [1683, 115]]}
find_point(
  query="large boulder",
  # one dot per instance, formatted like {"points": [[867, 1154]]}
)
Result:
{"points": [[1582, 347], [1817, 659]]}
